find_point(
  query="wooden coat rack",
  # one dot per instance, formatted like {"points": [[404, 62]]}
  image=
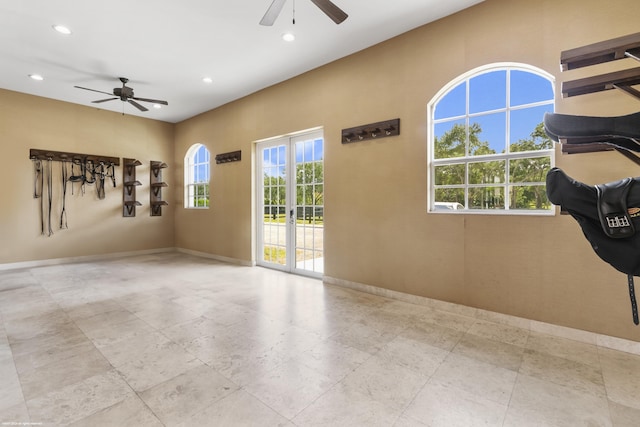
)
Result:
{"points": [[66, 156]]}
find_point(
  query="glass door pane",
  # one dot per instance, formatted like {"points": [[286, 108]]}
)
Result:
{"points": [[274, 205], [309, 203]]}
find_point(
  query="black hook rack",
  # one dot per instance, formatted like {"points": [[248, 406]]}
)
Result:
{"points": [[233, 156], [371, 131]]}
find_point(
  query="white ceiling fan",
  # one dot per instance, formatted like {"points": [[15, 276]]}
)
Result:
{"points": [[331, 10]]}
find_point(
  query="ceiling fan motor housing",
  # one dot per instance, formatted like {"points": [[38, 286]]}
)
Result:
{"points": [[123, 92]]}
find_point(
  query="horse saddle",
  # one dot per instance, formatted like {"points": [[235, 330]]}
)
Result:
{"points": [[620, 132], [609, 215]]}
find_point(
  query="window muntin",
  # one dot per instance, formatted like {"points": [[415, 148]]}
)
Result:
{"points": [[197, 169], [487, 147]]}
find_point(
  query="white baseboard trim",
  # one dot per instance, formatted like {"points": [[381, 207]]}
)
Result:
{"points": [[84, 258], [216, 257], [599, 340]]}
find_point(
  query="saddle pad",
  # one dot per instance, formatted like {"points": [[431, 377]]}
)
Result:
{"points": [[581, 202]]}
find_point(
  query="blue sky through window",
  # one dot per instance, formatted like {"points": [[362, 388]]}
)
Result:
{"points": [[453, 104], [487, 92], [201, 165], [274, 158], [527, 88], [493, 130], [310, 151], [524, 121]]}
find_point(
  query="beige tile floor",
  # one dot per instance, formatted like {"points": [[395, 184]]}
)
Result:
{"points": [[171, 339]]}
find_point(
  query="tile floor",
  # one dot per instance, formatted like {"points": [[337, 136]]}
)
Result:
{"points": [[175, 340]]}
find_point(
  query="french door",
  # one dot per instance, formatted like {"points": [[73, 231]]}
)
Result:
{"points": [[290, 205]]}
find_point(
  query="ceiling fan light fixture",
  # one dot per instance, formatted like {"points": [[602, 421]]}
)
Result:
{"points": [[62, 29], [288, 37], [37, 77], [157, 106]]}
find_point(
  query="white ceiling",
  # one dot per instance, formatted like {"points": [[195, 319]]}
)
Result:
{"points": [[166, 47]]}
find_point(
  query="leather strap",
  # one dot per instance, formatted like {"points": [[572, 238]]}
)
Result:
{"points": [[632, 295]]}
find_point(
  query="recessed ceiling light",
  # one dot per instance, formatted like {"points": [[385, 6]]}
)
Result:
{"points": [[207, 80], [157, 106], [288, 37], [36, 77], [62, 29]]}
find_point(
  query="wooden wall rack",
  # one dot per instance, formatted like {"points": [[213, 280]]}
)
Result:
{"points": [[371, 131], [598, 53], [622, 80], [129, 184], [233, 156], [66, 156], [156, 183]]}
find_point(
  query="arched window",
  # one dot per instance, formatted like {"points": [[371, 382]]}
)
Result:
{"points": [[196, 177], [488, 151]]}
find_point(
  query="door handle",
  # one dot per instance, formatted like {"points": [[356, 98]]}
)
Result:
{"points": [[291, 218]]}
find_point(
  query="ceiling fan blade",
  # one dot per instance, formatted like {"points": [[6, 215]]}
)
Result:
{"points": [[331, 10], [93, 90], [153, 101], [103, 100], [138, 106], [272, 13]]}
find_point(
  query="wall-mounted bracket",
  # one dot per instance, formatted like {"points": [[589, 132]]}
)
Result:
{"points": [[156, 183], [156, 167], [129, 184], [597, 53], [371, 131], [130, 208], [157, 186], [233, 156], [156, 207], [616, 80], [130, 164]]}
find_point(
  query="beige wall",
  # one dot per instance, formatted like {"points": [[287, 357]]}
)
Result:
{"points": [[95, 226], [377, 229]]}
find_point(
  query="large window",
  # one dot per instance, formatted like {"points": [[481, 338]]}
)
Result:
{"points": [[488, 151], [196, 177]]}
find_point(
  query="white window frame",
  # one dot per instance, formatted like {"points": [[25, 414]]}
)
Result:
{"points": [[467, 159], [190, 185]]}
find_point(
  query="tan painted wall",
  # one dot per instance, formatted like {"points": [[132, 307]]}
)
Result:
{"points": [[377, 229], [95, 226]]}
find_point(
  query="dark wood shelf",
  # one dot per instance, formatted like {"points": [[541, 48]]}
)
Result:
{"points": [[598, 53], [616, 80]]}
